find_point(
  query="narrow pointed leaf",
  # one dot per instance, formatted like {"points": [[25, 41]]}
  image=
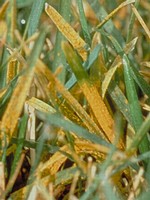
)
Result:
{"points": [[95, 101], [15, 105], [77, 42]]}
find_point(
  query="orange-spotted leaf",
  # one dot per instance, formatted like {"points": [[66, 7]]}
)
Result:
{"points": [[72, 36]]}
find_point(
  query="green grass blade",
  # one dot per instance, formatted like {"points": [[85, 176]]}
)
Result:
{"points": [[20, 143], [108, 17], [37, 48], [3, 148], [5, 98], [114, 91], [83, 21], [120, 101], [111, 4], [145, 87], [35, 15], [91, 190], [10, 40], [19, 95], [91, 59], [143, 130], [33, 144], [132, 95], [59, 57], [23, 4], [144, 195], [65, 175], [131, 22], [109, 192], [90, 92], [115, 65], [58, 121], [109, 26], [38, 153]]}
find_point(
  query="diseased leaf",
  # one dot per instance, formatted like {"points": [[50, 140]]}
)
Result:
{"points": [[59, 57], [108, 78], [58, 121], [15, 105], [94, 99], [20, 144], [116, 64], [125, 3], [77, 42], [41, 68], [10, 39], [134, 106], [40, 105], [141, 21], [3, 9]]}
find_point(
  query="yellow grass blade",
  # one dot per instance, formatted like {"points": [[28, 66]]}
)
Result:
{"points": [[69, 98], [2, 179], [40, 105], [108, 78], [90, 91], [146, 29], [14, 108], [52, 166], [99, 109], [114, 12], [54, 163], [42, 69], [2, 92], [115, 65], [72, 36], [15, 105], [11, 71], [3, 9]]}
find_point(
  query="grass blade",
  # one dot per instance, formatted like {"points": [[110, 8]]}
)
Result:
{"points": [[59, 57], [23, 4], [132, 95], [18, 97], [143, 130], [70, 126], [40, 105], [95, 101], [108, 78], [141, 20], [144, 86], [102, 15], [90, 60], [41, 68], [120, 100], [20, 144], [2, 177], [83, 21], [10, 39], [114, 12], [34, 17], [131, 22], [77, 42], [115, 65]]}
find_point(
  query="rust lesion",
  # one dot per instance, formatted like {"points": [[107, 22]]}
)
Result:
{"points": [[71, 35]]}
